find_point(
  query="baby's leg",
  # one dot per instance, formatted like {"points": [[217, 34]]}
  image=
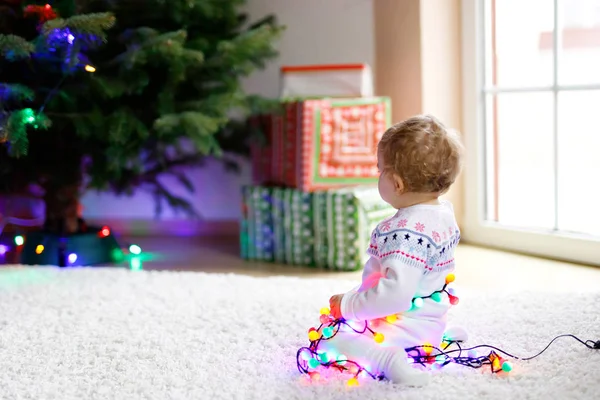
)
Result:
{"points": [[391, 361]]}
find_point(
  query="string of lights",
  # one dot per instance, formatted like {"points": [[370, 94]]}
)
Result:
{"points": [[309, 359]]}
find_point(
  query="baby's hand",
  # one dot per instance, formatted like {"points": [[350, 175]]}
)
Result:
{"points": [[335, 303]]}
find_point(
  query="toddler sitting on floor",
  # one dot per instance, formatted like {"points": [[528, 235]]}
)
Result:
{"points": [[411, 254]]}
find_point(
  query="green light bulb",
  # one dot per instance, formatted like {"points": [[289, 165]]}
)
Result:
{"points": [[506, 366], [135, 249], [19, 240], [327, 332], [28, 116]]}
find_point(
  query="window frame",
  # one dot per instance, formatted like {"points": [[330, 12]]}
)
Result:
{"points": [[550, 243]]}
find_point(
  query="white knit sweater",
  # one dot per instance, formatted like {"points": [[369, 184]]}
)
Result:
{"points": [[410, 255]]}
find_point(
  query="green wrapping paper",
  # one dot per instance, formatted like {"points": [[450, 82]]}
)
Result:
{"points": [[327, 229], [257, 219], [279, 232], [352, 214], [298, 227], [320, 228]]}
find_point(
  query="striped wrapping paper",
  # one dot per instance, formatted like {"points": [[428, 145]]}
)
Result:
{"points": [[327, 229], [256, 233], [298, 226]]}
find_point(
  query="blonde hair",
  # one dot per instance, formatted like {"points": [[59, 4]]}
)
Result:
{"points": [[423, 153]]}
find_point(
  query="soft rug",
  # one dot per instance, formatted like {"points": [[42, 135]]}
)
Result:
{"points": [[119, 334]]}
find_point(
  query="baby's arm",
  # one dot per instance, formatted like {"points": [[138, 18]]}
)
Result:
{"points": [[392, 294]]}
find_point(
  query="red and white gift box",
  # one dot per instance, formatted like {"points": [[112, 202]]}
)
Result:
{"points": [[326, 143], [336, 80]]}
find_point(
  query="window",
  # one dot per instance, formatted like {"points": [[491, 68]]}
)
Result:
{"points": [[531, 77]]}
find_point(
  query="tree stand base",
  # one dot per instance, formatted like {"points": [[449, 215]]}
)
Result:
{"points": [[93, 247]]}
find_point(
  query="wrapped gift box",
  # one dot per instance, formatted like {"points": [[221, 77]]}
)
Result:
{"points": [[342, 238], [279, 232], [323, 144], [328, 229], [298, 226], [337, 80], [264, 157], [336, 142], [256, 234]]}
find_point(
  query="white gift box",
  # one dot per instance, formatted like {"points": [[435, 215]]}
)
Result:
{"points": [[336, 80]]}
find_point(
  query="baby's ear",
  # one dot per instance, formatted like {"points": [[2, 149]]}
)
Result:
{"points": [[398, 184]]}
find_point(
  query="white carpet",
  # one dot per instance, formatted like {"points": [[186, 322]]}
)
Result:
{"points": [[116, 334]]}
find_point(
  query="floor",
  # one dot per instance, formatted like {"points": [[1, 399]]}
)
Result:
{"points": [[477, 267]]}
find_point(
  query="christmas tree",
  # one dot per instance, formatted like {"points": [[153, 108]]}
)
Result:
{"points": [[42, 51], [163, 95]]}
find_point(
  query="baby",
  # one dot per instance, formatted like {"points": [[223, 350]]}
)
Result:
{"points": [[410, 253]]}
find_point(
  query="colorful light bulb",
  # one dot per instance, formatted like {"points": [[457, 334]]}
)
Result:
{"points": [[314, 376], [506, 366], [327, 332], [352, 382], [378, 337], [89, 68], [39, 249], [19, 240], [437, 297], [450, 278], [496, 364], [104, 232], [135, 249], [427, 348], [391, 318], [72, 258], [324, 318], [324, 311], [453, 299], [341, 359], [306, 355], [313, 335], [418, 302], [324, 357], [313, 363], [28, 116]]}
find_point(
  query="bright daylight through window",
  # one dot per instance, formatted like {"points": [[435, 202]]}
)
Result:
{"points": [[540, 114]]}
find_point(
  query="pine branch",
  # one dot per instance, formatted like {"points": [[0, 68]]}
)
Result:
{"points": [[161, 194], [15, 92], [15, 47], [189, 124], [16, 129], [95, 24]]}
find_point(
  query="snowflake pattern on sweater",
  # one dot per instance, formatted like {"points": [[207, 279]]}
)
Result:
{"points": [[421, 236]]}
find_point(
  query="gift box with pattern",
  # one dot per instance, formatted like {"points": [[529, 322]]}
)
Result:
{"points": [[256, 233], [320, 144], [336, 142], [328, 229], [298, 226], [346, 218]]}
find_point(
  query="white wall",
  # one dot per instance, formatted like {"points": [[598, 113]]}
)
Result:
{"points": [[318, 32]]}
